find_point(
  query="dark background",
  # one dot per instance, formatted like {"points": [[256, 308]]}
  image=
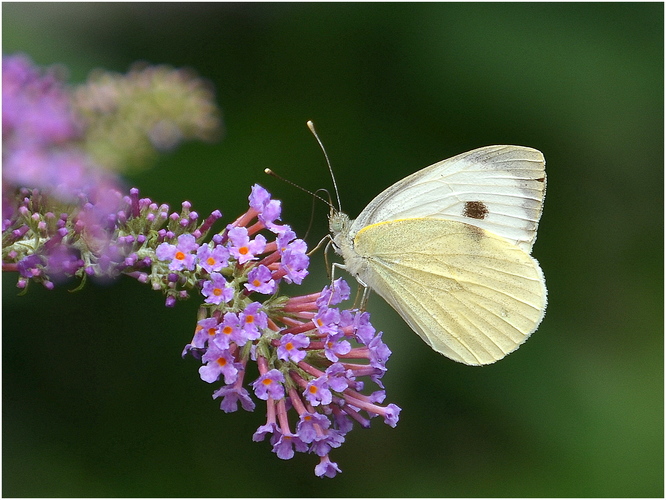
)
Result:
{"points": [[98, 402]]}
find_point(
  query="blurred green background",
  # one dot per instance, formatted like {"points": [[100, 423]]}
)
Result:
{"points": [[98, 402]]}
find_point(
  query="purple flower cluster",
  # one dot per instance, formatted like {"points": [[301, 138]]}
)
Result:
{"points": [[317, 372], [40, 137], [238, 255], [91, 241], [310, 355]]}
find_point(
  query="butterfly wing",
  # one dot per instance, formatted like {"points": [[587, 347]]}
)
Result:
{"points": [[471, 295], [497, 188]]}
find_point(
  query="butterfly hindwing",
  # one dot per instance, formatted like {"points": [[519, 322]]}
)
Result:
{"points": [[470, 294]]}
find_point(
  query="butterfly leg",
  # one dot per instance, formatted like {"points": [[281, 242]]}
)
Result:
{"points": [[321, 242], [366, 288], [331, 273], [365, 296]]}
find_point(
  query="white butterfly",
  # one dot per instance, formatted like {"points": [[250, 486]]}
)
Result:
{"points": [[449, 248]]}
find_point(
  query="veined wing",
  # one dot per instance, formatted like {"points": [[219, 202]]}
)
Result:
{"points": [[498, 188], [470, 295]]}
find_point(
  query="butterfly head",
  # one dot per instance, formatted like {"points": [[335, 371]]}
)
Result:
{"points": [[338, 223]]}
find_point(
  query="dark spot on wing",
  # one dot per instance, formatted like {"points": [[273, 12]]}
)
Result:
{"points": [[475, 210], [542, 179]]}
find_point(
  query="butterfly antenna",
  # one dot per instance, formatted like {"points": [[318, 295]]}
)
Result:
{"points": [[273, 174], [330, 169]]}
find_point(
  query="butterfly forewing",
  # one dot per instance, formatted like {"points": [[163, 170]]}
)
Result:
{"points": [[497, 188]]}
